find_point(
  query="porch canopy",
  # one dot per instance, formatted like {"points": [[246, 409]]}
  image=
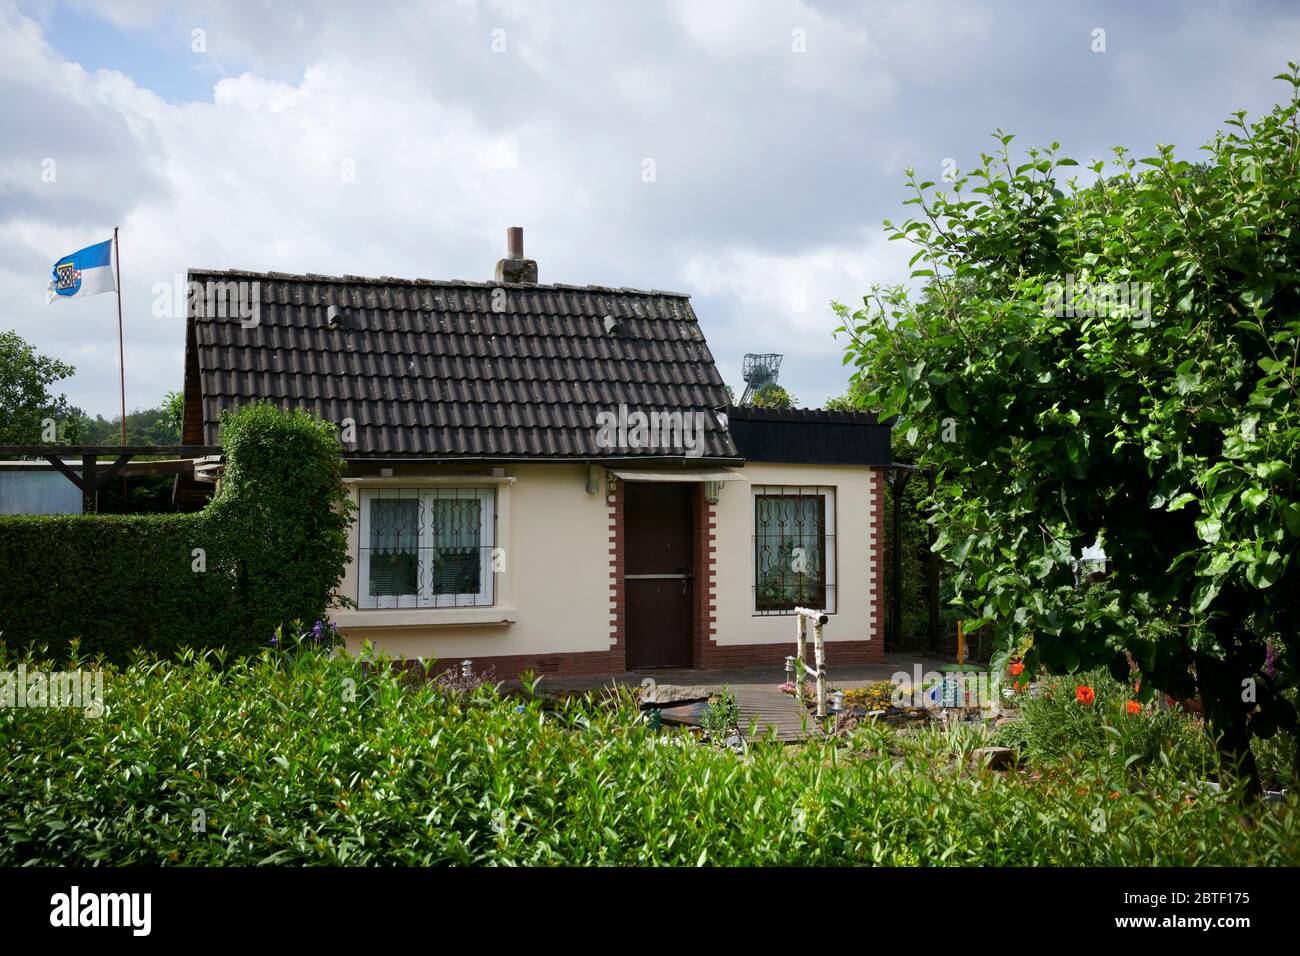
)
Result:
{"points": [[669, 474]]}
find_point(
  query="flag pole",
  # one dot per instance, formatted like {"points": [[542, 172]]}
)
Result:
{"points": [[121, 361]]}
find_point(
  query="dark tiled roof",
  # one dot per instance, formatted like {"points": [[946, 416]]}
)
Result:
{"points": [[429, 370]]}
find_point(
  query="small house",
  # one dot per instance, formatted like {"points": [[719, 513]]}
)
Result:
{"points": [[550, 477]]}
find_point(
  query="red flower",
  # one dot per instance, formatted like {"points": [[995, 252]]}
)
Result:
{"points": [[1017, 685], [1133, 707], [1084, 694], [1017, 669]]}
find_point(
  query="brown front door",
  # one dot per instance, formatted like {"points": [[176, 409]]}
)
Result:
{"points": [[658, 573]]}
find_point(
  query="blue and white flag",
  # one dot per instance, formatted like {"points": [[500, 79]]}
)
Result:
{"points": [[87, 272]]}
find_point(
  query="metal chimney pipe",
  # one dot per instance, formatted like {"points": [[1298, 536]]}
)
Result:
{"points": [[514, 267]]}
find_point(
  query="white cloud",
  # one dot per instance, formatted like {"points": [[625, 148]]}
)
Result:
{"points": [[785, 298], [401, 144]]}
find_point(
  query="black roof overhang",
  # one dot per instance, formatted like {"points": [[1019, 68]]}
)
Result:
{"points": [[810, 436]]}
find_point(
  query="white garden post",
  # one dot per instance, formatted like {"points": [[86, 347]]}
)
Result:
{"points": [[818, 618]]}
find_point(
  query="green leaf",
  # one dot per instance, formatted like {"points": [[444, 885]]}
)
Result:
{"points": [[1041, 567], [1186, 378], [1264, 572], [1291, 515], [1204, 596], [1252, 498], [1209, 529]]}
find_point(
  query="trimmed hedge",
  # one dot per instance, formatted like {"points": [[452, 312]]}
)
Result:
{"points": [[303, 758], [272, 546]]}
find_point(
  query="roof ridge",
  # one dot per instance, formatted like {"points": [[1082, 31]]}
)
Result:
{"points": [[454, 283], [829, 415]]}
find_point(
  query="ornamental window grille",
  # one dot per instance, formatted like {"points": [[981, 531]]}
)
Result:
{"points": [[794, 548], [426, 547]]}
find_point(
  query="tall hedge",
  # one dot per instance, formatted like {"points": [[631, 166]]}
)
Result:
{"points": [[270, 548]]}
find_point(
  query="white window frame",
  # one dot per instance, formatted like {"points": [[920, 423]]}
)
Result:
{"points": [[425, 598], [827, 494]]}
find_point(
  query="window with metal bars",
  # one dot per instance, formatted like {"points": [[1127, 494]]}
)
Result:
{"points": [[794, 548], [426, 547]]}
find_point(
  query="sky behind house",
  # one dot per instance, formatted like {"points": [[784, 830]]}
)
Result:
{"points": [[743, 152]]}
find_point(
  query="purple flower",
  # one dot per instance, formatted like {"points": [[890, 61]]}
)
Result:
{"points": [[1269, 657]]}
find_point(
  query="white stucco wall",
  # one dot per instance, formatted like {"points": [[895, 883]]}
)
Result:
{"points": [[555, 586], [554, 596], [734, 575]]}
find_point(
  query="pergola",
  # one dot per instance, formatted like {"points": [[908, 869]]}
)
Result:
{"points": [[187, 460]]}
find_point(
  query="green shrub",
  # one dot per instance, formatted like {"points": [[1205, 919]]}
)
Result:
{"points": [[117, 582], [304, 758], [1014, 734], [1056, 725], [269, 549], [721, 716], [281, 515], [1276, 756]]}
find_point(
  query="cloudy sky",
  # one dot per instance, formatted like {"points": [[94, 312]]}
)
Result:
{"points": [[743, 152]]}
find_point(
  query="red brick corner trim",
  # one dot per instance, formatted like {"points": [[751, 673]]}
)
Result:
{"points": [[618, 599], [704, 559], [876, 558]]}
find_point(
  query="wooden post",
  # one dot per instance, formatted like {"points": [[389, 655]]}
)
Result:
{"points": [[961, 644], [89, 486]]}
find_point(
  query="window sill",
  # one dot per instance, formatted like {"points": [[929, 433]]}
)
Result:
{"points": [[783, 613], [424, 616]]}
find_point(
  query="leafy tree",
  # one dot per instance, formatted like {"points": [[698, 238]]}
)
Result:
{"points": [[173, 408], [773, 396], [25, 399], [854, 400], [144, 426], [1122, 364]]}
